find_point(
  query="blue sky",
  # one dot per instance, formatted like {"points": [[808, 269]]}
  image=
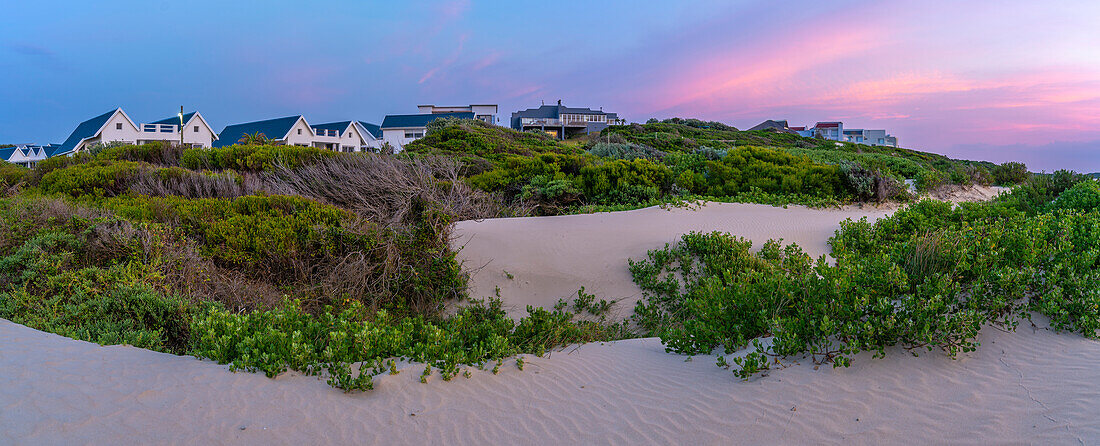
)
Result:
{"points": [[1001, 80]]}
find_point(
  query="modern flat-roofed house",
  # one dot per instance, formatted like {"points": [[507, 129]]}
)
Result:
{"points": [[870, 137], [116, 126], [482, 112], [26, 155], [290, 131], [563, 122], [399, 130]]}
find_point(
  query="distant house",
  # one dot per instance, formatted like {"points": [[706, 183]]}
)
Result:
{"points": [[835, 131], [563, 122], [399, 130], [26, 155], [775, 126], [341, 136], [116, 126], [346, 136], [482, 112], [290, 131]]}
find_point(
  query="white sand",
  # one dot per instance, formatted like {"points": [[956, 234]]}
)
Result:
{"points": [[1031, 386], [550, 258], [1026, 387]]}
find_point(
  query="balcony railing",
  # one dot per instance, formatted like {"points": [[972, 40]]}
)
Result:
{"points": [[325, 132], [556, 122], [159, 128]]}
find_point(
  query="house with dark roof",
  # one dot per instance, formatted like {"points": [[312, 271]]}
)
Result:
{"points": [[116, 126], [291, 131], [346, 136], [774, 126], [399, 130], [26, 155], [563, 122], [340, 136]]}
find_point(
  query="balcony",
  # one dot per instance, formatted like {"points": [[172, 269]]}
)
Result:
{"points": [[159, 128], [327, 133]]}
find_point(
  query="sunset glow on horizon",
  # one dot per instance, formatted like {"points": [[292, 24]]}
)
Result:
{"points": [[988, 80]]}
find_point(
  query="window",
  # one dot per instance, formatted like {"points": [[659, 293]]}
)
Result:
{"points": [[118, 126], [299, 131], [196, 129], [410, 134]]}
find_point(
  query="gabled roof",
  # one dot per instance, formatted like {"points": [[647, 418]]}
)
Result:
{"points": [[420, 120], [85, 130], [187, 117], [6, 153], [272, 128], [373, 129], [52, 150], [827, 125], [797, 128]]}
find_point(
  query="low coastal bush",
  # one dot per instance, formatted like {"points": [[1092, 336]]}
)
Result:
{"points": [[930, 276], [336, 340]]}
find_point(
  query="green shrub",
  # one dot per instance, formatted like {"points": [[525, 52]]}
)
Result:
{"points": [[1084, 196], [12, 174], [251, 158], [92, 179], [625, 151], [1010, 173]]}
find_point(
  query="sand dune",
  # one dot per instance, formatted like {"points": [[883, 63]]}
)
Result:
{"points": [[1030, 386], [537, 260], [1026, 387]]}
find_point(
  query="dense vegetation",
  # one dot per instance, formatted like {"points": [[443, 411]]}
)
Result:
{"points": [[272, 258], [930, 276], [641, 165]]}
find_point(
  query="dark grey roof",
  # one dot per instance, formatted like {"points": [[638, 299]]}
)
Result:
{"points": [[555, 111], [86, 129], [7, 153], [272, 128], [420, 120], [374, 129], [770, 124]]}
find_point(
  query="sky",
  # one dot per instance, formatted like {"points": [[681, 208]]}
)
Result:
{"points": [[989, 80]]}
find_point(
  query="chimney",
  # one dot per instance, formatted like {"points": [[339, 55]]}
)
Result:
{"points": [[559, 102]]}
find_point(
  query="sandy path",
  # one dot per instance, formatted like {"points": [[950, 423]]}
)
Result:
{"points": [[552, 257], [1026, 387]]}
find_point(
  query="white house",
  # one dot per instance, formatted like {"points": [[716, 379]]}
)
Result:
{"points": [[343, 136], [835, 131], [116, 126], [483, 112], [26, 155], [399, 130]]}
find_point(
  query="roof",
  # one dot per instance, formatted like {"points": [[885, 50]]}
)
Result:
{"points": [[771, 125], [272, 128], [827, 125], [420, 120], [53, 149], [797, 128], [555, 111], [6, 153], [175, 119], [341, 126], [85, 130], [374, 129]]}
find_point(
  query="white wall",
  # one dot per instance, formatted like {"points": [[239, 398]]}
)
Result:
{"points": [[397, 139], [300, 134], [204, 136], [129, 133]]}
